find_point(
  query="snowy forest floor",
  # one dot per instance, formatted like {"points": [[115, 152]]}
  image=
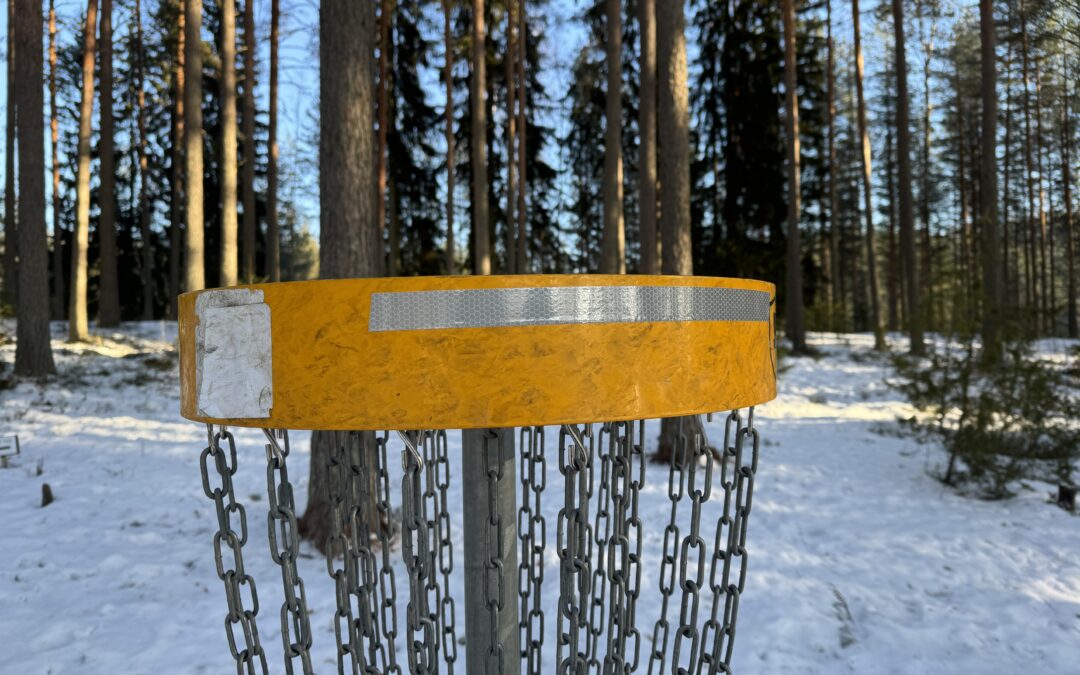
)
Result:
{"points": [[859, 560]]}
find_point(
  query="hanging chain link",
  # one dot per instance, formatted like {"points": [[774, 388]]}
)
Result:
{"points": [[284, 550], [670, 553], [494, 588], [730, 545], [532, 531], [601, 532], [387, 581], [574, 548], [446, 618], [415, 544], [624, 547], [350, 657], [251, 659], [692, 555], [362, 516]]}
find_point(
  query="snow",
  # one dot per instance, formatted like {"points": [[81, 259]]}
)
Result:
{"points": [[860, 562]]}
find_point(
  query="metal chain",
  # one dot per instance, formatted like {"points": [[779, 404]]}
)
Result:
{"points": [[692, 557], [240, 614], [532, 531], [339, 493], [605, 448], [363, 586], [670, 553], [574, 549], [387, 581], [623, 563], [448, 637], [731, 550], [415, 542], [494, 590], [284, 550]]}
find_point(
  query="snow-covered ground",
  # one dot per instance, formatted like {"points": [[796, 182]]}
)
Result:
{"points": [[860, 562]]}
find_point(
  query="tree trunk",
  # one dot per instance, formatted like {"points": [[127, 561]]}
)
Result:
{"points": [[228, 263], [613, 244], [194, 266], [350, 238], [893, 267], [273, 236], [830, 137], [78, 328], [33, 353], [451, 162], [673, 122], [993, 287], [478, 144], [795, 329], [1030, 262], [383, 93], [509, 73], [522, 57], [58, 307], [1066, 179], [650, 243], [176, 177], [903, 150], [147, 266], [964, 259], [868, 196], [250, 226], [926, 270], [1009, 287], [11, 235], [108, 291], [1045, 253]]}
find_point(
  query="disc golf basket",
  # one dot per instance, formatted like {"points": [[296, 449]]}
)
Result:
{"points": [[514, 362]]}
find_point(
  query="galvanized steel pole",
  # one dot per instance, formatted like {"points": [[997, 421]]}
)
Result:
{"points": [[491, 567]]}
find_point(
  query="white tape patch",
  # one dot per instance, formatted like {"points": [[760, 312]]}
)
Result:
{"points": [[233, 355]]}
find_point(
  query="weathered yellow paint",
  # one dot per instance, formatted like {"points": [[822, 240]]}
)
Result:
{"points": [[330, 372]]}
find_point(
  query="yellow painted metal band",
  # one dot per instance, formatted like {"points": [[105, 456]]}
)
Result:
{"points": [[331, 370]]}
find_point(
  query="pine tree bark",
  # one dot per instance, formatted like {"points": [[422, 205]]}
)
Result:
{"points": [[522, 249], [78, 325], [194, 265], [650, 243], [273, 235], [227, 270], [993, 284], [250, 225], [1066, 179], [1030, 263], [478, 144], [894, 286], [11, 233], [927, 257], [451, 161], [58, 308], [613, 243], [176, 173], [509, 74], [108, 291], [383, 160], [868, 195], [903, 150], [350, 238], [673, 122], [1046, 243], [830, 138], [147, 267], [33, 352], [795, 329]]}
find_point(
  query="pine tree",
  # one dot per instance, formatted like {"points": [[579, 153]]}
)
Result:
{"points": [[108, 289], [78, 326], [227, 276], [33, 352]]}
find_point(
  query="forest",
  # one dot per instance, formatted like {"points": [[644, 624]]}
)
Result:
{"points": [[900, 172], [928, 188]]}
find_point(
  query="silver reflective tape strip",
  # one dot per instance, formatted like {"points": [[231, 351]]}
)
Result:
{"points": [[486, 308]]}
